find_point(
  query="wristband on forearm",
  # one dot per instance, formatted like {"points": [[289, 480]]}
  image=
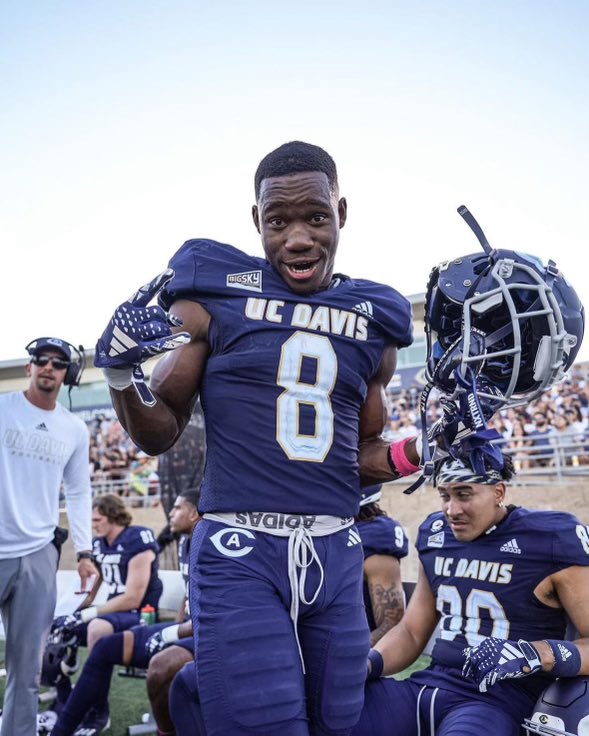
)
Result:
{"points": [[88, 614], [397, 458], [567, 658], [170, 634], [119, 378], [377, 665]]}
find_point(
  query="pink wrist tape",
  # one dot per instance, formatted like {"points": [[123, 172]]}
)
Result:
{"points": [[399, 458]]}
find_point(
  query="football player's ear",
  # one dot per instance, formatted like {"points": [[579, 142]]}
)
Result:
{"points": [[28, 370], [256, 216], [342, 210], [500, 493]]}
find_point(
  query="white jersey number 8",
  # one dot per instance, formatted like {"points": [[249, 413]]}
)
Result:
{"points": [[306, 447]]}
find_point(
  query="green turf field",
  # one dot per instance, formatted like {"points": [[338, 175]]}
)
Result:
{"points": [[128, 700]]}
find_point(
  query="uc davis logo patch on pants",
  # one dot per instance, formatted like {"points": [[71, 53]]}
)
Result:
{"points": [[233, 542]]}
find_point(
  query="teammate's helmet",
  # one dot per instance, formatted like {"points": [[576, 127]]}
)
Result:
{"points": [[502, 319], [562, 709], [59, 660]]}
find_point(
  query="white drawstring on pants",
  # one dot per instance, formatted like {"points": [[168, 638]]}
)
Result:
{"points": [[300, 530], [301, 555]]}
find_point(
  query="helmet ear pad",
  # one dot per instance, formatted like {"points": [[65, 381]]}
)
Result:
{"points": [[448, 373]]}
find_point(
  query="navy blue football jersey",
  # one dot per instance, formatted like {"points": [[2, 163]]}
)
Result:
{"points": [[184, 566], [285, 380], [486, 587], [184, 559], [381, 536], [113, 561]]}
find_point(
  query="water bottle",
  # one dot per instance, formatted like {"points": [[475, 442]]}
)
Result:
{"points": [[148, 615]]}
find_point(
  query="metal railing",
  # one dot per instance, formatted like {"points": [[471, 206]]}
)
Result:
{"points": [[122, 487], [565, 459]]}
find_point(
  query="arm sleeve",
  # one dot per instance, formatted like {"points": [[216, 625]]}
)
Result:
{"points": [[78, 492]]}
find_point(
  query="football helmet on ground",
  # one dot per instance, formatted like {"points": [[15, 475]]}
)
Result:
{"points": [[561, 710], [60, 659]]}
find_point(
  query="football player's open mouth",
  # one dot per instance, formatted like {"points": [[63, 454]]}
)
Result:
{"points": [[302, 269]]}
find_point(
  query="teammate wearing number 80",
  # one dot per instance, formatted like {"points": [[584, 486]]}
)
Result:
{"points": [[291, 361], [499, 581]]}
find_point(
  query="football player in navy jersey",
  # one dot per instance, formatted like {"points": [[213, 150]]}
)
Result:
{"points": [[138, 645], [126, 556], [171, 648], [499, 581], [384, 544], [291, 362]]}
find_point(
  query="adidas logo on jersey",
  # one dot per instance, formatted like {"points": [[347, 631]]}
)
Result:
{"points": [[364, 308], [511, 546], [120, 548], [42, 426], [250, 280], [564, 652], [353, 538]]}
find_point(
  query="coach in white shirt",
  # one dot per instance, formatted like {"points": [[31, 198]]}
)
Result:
{"points": [[41, 445]]}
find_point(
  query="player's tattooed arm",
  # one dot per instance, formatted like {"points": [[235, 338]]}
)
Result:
{"points": [[383, 575], [403, 644]]}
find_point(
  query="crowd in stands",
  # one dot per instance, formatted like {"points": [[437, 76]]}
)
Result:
{"points": [[116, 464], [552, 430]]}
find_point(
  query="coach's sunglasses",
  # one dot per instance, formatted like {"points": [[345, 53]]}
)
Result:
{"points": [[57, 363]]}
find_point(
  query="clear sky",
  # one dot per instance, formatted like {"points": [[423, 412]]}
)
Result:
{"points": [[130, 126]]}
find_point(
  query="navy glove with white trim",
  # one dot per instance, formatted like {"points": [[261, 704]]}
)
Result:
{"points": [[496, 659], [135, 333]]}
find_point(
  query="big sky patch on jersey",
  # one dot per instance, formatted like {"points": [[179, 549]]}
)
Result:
{"points": [[285, 380]]}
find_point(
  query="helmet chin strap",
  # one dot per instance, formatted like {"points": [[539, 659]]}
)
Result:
{"points": [[468, 217]]}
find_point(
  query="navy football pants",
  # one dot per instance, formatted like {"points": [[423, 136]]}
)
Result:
{"points": [[407, 708], [249, 672]]}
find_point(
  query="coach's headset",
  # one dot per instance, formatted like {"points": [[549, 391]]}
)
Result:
{"points": [[73, 374]]}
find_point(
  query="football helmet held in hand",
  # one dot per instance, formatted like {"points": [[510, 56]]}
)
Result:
{"points": [[500, 318]]}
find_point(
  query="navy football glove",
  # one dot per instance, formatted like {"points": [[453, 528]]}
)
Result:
{"points": [[500, 659], [161, 639], [63, 627], [155, 644], [137, 332]]}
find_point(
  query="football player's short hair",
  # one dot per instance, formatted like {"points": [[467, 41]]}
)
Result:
{"points": [[293, 158], [113, 508], [192, 496]]}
